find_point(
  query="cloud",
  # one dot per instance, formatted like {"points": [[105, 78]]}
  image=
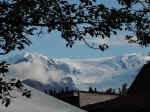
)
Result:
{"points": [[83, 72], [36, 71], [110, 42]]}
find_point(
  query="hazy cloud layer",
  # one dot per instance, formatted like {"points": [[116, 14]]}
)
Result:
{"points": [[110, 42], [100, 72]]}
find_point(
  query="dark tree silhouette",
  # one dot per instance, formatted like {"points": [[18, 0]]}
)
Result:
{"points": [[95, 90], [8, 86], [124, 89], [21, 19], [109, 91], [90, 90]]}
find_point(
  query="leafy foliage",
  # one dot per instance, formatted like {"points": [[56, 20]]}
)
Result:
{"points": [[21, 18], [8, 87]]}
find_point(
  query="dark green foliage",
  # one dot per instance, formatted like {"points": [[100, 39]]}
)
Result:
{"points": [[20, 19], [90, 90], [95, 90], [123, 90], [109, 91], [9, 86]]}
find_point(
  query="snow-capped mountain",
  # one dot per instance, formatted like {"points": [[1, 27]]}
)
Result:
{"points": [[42, 72]]}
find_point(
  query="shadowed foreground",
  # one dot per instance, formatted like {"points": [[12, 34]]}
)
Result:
{"points": [[137, 99]]}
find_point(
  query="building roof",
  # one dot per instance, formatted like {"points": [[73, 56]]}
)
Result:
{"points": [[137, 98], [141, 82]]}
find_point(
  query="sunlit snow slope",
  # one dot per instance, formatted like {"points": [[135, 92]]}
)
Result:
{"points": [[39, 102]]}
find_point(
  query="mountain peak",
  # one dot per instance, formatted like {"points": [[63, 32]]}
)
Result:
{"points": [[28, 57], [29, 54], [98, 72]]}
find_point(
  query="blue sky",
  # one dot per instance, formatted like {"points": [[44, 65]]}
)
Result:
{"points": [[53, 45]]}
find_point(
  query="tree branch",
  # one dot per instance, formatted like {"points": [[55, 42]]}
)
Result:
{"points": [[4, 53], [86, 43]]}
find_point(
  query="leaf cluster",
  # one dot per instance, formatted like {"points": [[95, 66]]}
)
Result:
{"points": [[9, 88], [20, 19]]}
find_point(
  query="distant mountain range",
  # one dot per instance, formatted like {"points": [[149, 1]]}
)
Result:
{"points": [[42, 72]]}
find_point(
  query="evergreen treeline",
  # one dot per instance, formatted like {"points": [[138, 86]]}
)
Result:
{"points": [[58, 93]]}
